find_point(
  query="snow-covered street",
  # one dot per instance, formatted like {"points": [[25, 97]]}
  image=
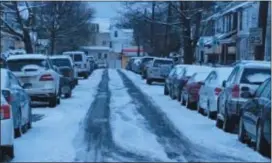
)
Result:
{"points": [[115, 116]]}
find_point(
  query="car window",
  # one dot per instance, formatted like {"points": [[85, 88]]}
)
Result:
{"points": [[260, 89], [172, 72], [13, 80], [232, 75], [77, 57], [17, 65], [255, 75], [266, 91], [59, 62], [211, 77]]}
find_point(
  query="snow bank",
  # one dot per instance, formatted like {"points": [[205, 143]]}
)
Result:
{"points": [[199, 129], [51, 139], [129, 128]]}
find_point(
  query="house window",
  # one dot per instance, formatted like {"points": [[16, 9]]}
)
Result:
{"points": [[235, 21], [115, 34], [229, 23], [241, 21], [104, 43]]}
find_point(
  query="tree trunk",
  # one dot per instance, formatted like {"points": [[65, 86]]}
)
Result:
{"points": [[263, 11], [169, 14], [187, 42], [152, 26], [52, 51], [27, 42]]}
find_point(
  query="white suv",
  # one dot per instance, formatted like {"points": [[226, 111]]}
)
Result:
{"points": [[7, 129], [81, 62], [158, 70], [38, 76]]}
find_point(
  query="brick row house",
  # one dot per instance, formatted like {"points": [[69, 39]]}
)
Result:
{"points": [[225, 34]]}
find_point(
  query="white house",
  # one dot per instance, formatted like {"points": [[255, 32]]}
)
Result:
{"points": [[120, 38]]}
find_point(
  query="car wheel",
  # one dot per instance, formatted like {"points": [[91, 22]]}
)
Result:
{"points": [[18, 131], [165, 90], [219, 123], [9, 151], [241, 131], [85, 76], [148, 81], [53, 101], [68, 95], [179, 96], [199, 109], [227, 124], [261, 145]]}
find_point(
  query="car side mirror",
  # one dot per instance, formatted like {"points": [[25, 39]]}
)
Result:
{"points": [[246, 94], [201, 83], [224, 83], [26, 85]]}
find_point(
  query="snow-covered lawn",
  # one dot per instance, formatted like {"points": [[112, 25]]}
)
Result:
{"points": [[197, 128], [129, 128], [51, 139]]}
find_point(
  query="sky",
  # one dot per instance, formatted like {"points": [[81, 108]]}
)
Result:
{"points": [[104, 12]]}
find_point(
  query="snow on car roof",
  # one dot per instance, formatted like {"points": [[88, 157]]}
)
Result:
{"points": [[73, 52], [191, 69], [27, 56], [164, 59], [223, 73], [59, 56], [257, 64]]}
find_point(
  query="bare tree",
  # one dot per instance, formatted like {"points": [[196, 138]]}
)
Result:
{"points": [[63, 22], [18, 19]]}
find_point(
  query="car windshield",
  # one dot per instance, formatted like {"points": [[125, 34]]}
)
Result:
{"points": [[60, 62], [77, 57], [158, 63], [255, 75], [17, 65]]}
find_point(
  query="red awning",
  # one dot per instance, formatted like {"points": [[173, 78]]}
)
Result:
{"points": [[132, 50]]}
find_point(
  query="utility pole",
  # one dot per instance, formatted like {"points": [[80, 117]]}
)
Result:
{"points": [[169, 14], [152, 25], [262, 22]]}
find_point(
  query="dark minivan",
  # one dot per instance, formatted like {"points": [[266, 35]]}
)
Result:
{"points": [[255, 118]]}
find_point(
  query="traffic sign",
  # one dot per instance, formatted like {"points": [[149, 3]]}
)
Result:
{"points": [[255, 36]]}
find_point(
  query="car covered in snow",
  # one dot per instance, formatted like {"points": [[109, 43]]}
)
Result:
{"points": [[245, 77], [255, 118], [210, 90], [38, 77], [190, 91], [144, 62], [19, 101], [181, 79], [158, 70], [7, 129]]}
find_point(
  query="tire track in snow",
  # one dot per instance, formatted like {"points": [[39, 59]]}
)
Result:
{"points": [[177, 146], [98, 134]]}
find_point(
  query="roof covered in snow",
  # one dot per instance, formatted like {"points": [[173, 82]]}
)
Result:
{"points": [[27, 56], [95, 48]]}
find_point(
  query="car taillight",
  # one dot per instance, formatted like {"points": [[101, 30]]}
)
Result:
{"points": [[7, 95], [5, 112], [217, 91], [46, 77], [235, 92]]}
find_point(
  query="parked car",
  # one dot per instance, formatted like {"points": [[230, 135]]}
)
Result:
{"points": [[169, 81], [144, 62], [7, 129], [92, 63], [191, 89], [81, 62], [19, 101], [210, 90], [158, 70], [136, 65], [2, 63], [255, 118], [38, 77], [129, 63], [145, 67], [181, 79], [244, 77], [66, 67]]}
